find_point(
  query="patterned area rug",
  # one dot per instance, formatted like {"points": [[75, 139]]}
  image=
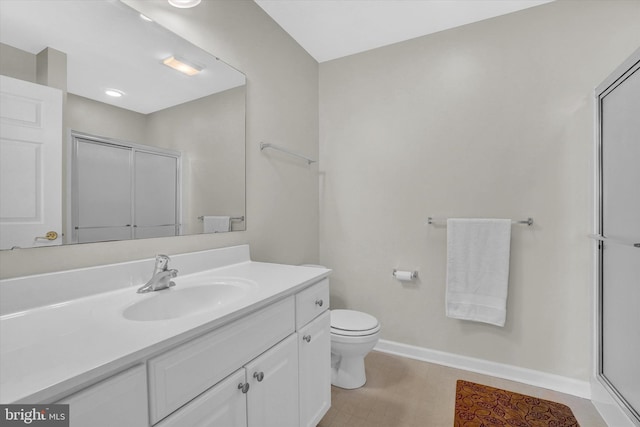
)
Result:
{"points": [[482, 406]]}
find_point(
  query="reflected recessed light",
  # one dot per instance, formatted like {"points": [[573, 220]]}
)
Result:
{"points": [[184, 3], [145, 18], [114, 92], [182, 66]]}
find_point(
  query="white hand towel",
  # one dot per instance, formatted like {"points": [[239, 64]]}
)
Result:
{"points": [[216, 224], [478, 269]]}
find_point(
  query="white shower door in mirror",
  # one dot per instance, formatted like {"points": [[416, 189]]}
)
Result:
{"points": [[123, 191]]}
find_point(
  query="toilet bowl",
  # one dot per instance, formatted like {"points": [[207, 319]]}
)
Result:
{"points": [[353, 336]]}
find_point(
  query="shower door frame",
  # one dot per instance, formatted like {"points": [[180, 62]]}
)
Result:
{"points": [[626, 69]]}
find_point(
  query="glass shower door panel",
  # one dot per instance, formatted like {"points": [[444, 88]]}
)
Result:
{"points": [[103, 192], [620, 297], [156, 189], [620, 269], [621, 160]]}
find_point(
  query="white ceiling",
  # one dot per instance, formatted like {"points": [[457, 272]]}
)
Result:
{"points": [[109, 46], [330, 29]]}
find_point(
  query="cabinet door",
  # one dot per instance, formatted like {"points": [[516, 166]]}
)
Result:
{"points": [[117, 401], [272, 400], [314, 349], [156, 190], [224, 405]]}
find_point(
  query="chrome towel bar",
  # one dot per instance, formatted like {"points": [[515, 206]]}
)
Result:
{"points": [[233, 218], [443, 221], [264, 145]]}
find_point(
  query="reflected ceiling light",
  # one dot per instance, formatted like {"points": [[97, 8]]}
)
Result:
{"points": [[182, 66], [114, 92], [184, 3], [145, 18]]}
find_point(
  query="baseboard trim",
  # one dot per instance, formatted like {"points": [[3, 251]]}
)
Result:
{"points": [[611, 410], [508, 372]]}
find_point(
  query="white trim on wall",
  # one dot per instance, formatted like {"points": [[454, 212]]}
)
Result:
{"points": [[514, 373]]}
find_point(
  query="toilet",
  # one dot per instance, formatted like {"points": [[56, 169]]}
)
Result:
{"points": [[353, 336]]}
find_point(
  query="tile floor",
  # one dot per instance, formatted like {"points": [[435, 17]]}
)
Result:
{"points": [[403, 392]]}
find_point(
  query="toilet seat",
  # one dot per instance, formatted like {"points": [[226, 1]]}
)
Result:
{"points": [[353, 323]]}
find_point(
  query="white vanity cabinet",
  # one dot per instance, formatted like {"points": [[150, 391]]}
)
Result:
{"points": [[179, 375], [260, 360], [313, 323], [120, 400], [267, 367], [279, 383], [262, 394]]}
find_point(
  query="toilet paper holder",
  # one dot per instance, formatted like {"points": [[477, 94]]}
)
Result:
{"points": [[403, 275]]}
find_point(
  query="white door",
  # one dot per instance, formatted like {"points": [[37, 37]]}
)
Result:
{"points": [[30, 164], [314, 347], [272, 400]]}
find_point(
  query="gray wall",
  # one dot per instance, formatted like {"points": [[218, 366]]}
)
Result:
{"points": [[207, 131], [493, 119], [282, 107], [17, 63]]}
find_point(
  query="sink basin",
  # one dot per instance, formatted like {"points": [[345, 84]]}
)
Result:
{"points": [[185, 301]]}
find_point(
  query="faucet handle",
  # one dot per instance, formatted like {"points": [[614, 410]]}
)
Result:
{"points": [[162, 263]]}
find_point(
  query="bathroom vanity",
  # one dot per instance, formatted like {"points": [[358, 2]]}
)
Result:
{"points": [[234, 343]]}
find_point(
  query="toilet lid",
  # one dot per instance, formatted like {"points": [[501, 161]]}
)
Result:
{"points": [[351, 322]]}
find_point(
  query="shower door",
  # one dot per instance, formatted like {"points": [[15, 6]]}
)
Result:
{"points": [[122, 190], [619, 236]]}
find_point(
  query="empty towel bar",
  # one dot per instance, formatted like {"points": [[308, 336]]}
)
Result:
{"points": [[264, 145]]}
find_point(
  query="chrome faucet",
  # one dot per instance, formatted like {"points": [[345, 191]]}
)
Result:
{"points": [[162, 276]]}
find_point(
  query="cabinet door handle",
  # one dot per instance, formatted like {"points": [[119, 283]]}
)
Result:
{"points": [[319, 302], [307, 338], [259, 376], [244, 387]]}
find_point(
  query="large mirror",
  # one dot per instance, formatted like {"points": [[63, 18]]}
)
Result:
{"points": [[165, 156]]}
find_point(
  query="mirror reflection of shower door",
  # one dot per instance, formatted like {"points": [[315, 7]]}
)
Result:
{"points": [[123, 190], [619, 294], [103, 192], [155, 204]]}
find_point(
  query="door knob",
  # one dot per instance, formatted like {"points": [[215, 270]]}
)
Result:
{"points": [[259, 376], [307, 338], [51, 235], [244, 387]]}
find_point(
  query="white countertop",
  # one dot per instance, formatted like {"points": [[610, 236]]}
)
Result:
{"points": [[51, 351]]}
